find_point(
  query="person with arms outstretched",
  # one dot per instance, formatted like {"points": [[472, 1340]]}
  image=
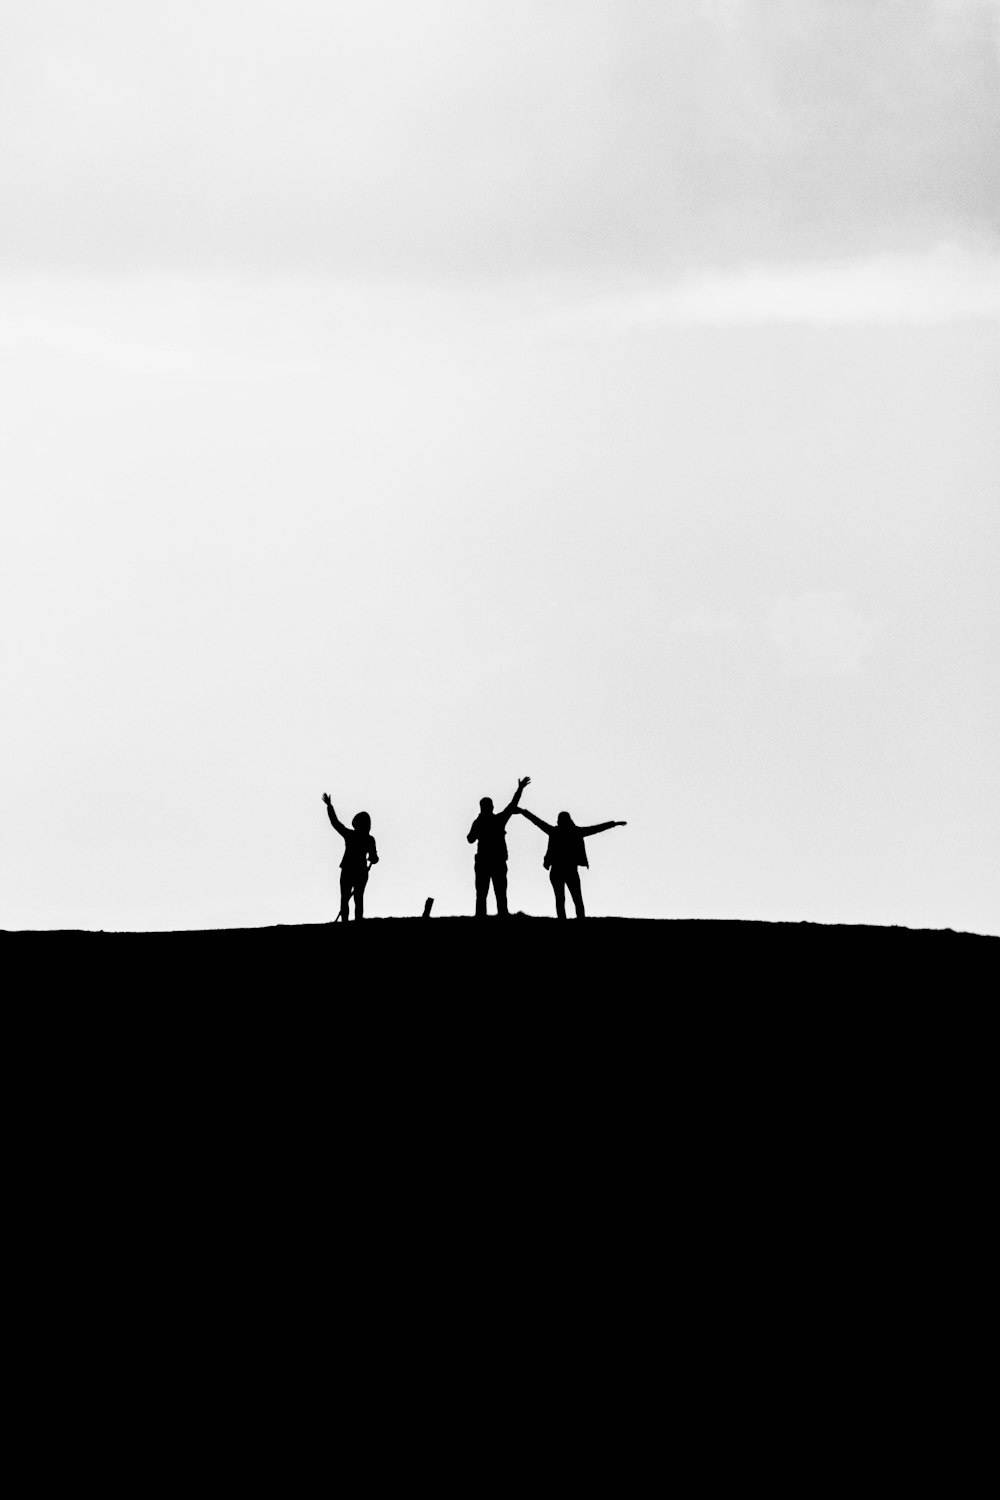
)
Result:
{"points": [[565, 854], [489, 834], [360, 854]]}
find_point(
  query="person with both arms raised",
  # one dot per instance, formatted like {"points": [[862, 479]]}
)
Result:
{"points": [[566, 854]]}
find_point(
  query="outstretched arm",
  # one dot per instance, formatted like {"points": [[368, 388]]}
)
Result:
{"points": [[599, 828], [545, 827], [512, 804], [333, 816]]}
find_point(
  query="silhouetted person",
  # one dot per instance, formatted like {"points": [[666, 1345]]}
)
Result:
{"points": [[489, 832], [359, 856], [565, 854]]}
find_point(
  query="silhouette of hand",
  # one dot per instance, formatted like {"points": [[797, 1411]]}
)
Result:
{"points": [[326, 798], [524, 781], [621, 823]]}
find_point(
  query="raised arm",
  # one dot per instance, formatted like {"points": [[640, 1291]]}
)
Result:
{"points": [[512, 804], [333, 816], [599, 828], [545, 827]]}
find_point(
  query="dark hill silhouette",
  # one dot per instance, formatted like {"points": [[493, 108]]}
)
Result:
{"points": [[756, 1138], [616, 964], [751, 1084], [462, 1034]]}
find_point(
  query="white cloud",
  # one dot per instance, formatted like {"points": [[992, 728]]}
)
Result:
{"points": [[231, 327], [816, 634], [92, 346], [819, 634], [940, 287]]}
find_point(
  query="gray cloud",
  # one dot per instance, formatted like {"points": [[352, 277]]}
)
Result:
{"points": [[450, 136]]}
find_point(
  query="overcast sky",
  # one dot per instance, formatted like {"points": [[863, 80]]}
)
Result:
{"points": [[404, 396]]}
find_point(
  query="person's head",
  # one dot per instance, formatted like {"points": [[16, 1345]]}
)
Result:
{"points": [[486, 804], [565, 821], [361, 823]]}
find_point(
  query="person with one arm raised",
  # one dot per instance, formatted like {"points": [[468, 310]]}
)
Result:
{"points": [[489, 833], [360, 854], [565, 854]]}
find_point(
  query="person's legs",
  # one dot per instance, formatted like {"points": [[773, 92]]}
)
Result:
{"points": [[359, 896], [500, 888], [573, 881], [560, 891], [346, 883], [482, 886]]}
